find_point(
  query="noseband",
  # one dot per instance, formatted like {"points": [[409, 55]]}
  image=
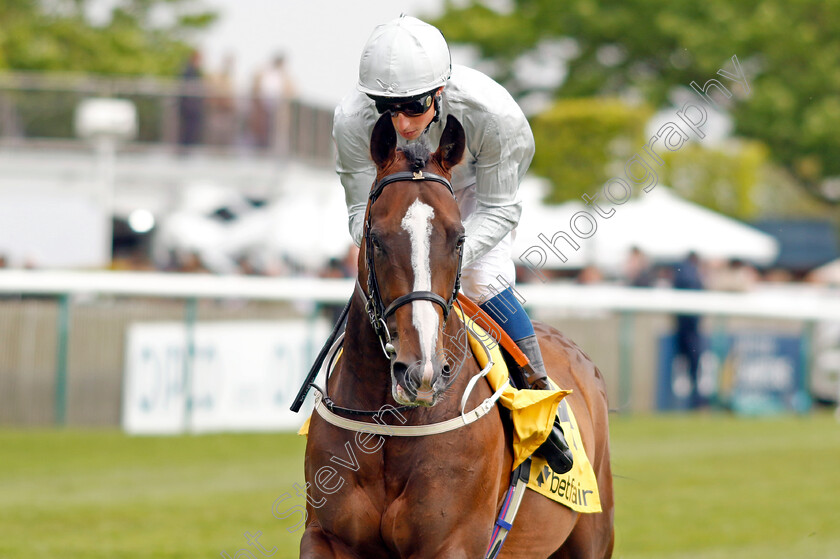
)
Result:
{"points": [[377, 312]]}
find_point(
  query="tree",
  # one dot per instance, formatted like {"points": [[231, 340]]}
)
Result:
{"points": [[585, 142], [148, 37], [726, 178], [790, 52], [580, 139]]}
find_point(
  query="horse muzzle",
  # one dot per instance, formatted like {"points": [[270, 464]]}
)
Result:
{"points": [[418, 383]]}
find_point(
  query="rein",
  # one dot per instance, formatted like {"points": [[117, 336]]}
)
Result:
{"points": [[376, 310], [325, 408], [334, 345]]}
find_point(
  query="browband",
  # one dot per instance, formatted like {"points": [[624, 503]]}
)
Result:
{"points": [[408, 176]]}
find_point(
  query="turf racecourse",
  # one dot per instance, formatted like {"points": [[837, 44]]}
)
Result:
{"points": [[693, 487]]}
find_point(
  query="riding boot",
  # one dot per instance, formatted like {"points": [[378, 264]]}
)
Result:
{"points": [[555, 450]]}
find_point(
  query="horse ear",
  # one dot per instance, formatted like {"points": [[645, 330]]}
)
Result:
{"points": [[451, 148], [383, 141]]}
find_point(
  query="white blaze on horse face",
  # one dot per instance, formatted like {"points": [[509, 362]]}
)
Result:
{"points": [[418, 223]]}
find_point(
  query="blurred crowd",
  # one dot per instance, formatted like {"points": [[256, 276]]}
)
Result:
{"points": [[639, 270], [138, 259], [212, 113]]}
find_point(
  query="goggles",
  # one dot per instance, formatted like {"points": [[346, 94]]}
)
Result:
{"points": [[411, 107]]}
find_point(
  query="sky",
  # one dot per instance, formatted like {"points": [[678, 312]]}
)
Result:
{"points": [[322, 39]]}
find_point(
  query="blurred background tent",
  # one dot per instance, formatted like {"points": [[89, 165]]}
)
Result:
{"points": [[661, 224], [298, 231], [804, 244]]}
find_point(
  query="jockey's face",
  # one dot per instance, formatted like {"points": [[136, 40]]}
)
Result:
{"points": [[410, 127]]}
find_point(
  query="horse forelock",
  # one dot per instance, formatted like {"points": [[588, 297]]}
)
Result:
{"points": [[417, 155]]}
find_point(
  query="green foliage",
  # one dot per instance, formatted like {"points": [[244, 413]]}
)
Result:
{"points": [[790, 52], [780, 196], [579, 139], [726, 179], [57, 36]]}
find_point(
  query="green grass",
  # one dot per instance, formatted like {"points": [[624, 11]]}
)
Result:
{"points": [[715, 487], [90, 494], [687, 487]]}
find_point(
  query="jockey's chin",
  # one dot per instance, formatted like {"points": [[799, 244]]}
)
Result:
{"points": [[411, 134]]}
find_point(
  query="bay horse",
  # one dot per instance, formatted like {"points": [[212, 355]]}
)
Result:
{"points": [[437, 496]]}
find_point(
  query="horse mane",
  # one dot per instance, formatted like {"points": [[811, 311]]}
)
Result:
{"points": [[417, 155]]}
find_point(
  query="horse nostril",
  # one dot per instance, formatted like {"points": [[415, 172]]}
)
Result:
{"points": [[446, 370], [399, 369], [409, 376]]}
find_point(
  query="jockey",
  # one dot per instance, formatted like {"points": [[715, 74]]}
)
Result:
{"points": [[406, 70]]}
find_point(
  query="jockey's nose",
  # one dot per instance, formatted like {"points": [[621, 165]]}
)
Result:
{"points": [[401, 122]]}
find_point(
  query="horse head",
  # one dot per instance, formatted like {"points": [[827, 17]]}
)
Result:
{"points": [[410, 260]]}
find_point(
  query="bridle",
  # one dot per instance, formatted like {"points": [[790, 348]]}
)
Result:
{"points": [[376, 310]]}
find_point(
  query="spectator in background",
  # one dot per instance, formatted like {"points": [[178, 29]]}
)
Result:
{"points": [[275, 82], [191, 102], [258, 131], [736, 275], [346, 267], [638, 271], [190, 263], [777, 275], [689, 343], [272, 86], [590, 275], [221, 105]]}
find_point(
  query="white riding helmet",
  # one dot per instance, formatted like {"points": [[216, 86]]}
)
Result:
{"points": [[403, 58]]}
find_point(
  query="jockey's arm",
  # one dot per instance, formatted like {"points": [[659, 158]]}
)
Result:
{"points": [[354, 167], [506, 150]]}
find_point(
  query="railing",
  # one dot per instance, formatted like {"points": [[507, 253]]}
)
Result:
{"points": [[38, 109], [65, 333]]}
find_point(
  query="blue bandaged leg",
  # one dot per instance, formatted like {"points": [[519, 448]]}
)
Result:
{"points": [[506, 309], [508, 312]]}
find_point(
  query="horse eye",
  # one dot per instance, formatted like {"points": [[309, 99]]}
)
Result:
{"points": [[460, 241]]}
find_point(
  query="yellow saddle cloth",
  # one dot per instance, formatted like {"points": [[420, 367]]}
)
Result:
{"points": [[532, 412]]}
